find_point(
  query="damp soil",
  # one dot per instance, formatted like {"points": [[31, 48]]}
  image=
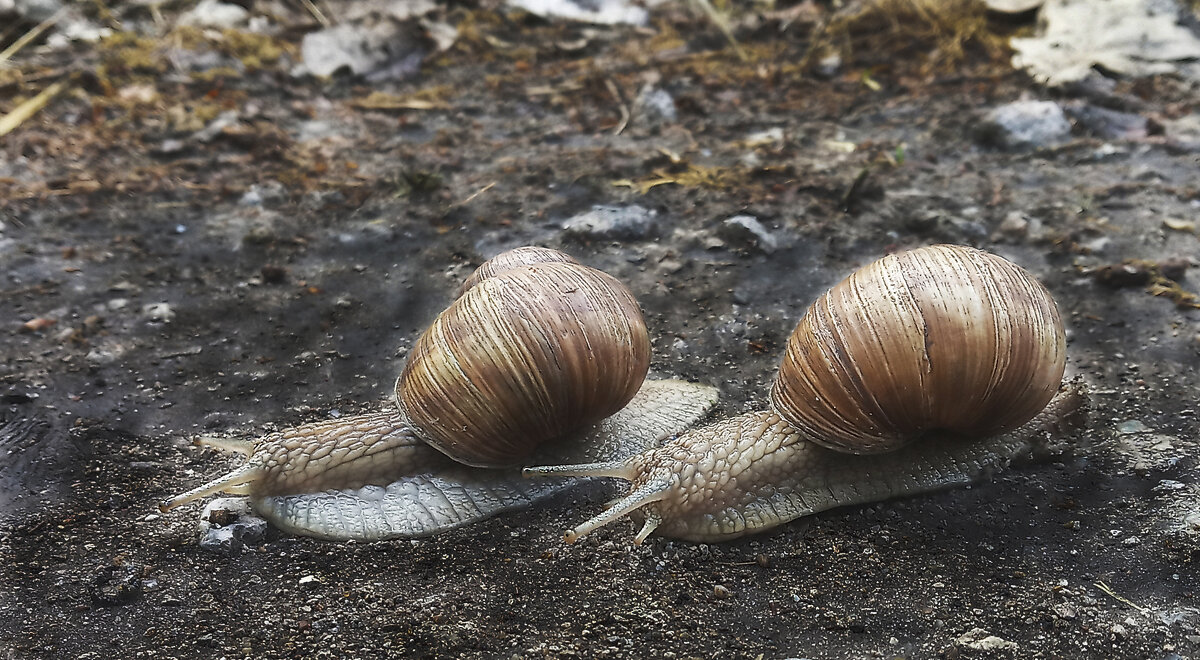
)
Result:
{"points": [[160, 283]]}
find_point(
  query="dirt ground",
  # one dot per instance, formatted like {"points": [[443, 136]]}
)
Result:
{"points": [[195, 240]]}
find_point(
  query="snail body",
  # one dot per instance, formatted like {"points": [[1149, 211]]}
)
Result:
{"points": [[538, 356], [926, 369]]}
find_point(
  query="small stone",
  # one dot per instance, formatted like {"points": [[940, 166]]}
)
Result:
{"points": [[309, 579], [1132, 426], [1109, 124], [1132, 540], [721, 591], [214, 13], [1064, 610], [828, 66], [1025, 124], [1179, 224], [37, 324], [117, 585], [656, 105], [385, 50], [1118, 630], [747, 229], [613, 223], [770, 136], [1191, 522], [260, 194], [982, 640], [251, 198], [1014, 225], [227, 526], [1162, 443], [159, 312]]}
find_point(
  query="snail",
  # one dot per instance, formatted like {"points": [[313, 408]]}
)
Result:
{"points": [[923, 370], [539, 358]]}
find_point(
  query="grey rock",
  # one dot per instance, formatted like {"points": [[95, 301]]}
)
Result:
{"points": [[1109, 124], [981, 640], [747, 229], [656, 105], [268, 193], [1132, 426], [227, 526], [1025, 124], [159, 312], [1014, 225], [385, 50], [1191, 522], [622, 223]]}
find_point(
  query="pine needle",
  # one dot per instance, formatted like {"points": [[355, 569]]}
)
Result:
{"points": [[1119, 598], [9, 122], [28, 37], [722, 24]]}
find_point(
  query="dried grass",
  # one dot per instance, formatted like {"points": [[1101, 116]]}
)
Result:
{"points": [[940, 34]]}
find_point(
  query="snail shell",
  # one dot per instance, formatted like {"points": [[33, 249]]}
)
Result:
{"points": [[940, 338], [948, 344], [525, 356]]}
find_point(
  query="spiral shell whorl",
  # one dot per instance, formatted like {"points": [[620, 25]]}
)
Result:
{"points": [[525, 356], [515, 258], [938, 338]]}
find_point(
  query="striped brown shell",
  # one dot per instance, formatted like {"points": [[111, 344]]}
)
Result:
{"points": [[526, 255], [940, 338], [525, 356]]}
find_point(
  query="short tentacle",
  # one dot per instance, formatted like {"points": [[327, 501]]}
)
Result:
{"points": [[651, 523], [231, 445]]}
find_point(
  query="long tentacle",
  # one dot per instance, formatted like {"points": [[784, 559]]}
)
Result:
{"points": [[234, 483], [652, 491], [617, 469]]}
